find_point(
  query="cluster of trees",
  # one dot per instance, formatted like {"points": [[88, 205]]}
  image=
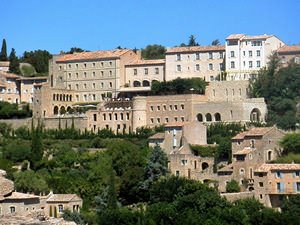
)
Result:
{"points": [[179, 86], [280, 88], [12, 110]]}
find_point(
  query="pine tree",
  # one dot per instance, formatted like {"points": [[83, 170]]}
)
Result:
{"points": [[192, 41], [112, 195], [36, 146], [3, 53], [14, 62]]}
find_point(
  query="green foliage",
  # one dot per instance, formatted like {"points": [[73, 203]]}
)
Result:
{"points": [[5, 129], [17, 151], [154, 52], [3, 53], [14, 62], [291, 143], [27, 70], [280, 88], [290, 158], [204, 151], [291, 210], [75, 50], [39, 59], [215, 42], [192, 41], [179, 86], [36, 146], [232, 186], [11, 110], [73, 216]]}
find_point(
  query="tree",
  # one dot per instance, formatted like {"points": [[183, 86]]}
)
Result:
{"points": [[3, 53], [39, 59], [215, 42], [75, 50], [291, 143], [291, 210], [36, 146], [232, 186], [14, 62], [154, 52], [192, 41]]}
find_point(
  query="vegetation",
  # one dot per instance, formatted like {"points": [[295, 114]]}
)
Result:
{"points": [[232, 187], [14, 62], [280, 88], [204, 151], [3, 53], [215, 42], [191, 42], [179, 86], [291, 143], [11, 110], [39, 59], [154, 52]]}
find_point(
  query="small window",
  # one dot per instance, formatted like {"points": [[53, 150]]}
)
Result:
{"points": [[151, 108], [197, 56], [178, 57], [156, 70], [250, 53], [158, 120], [175, 107], [178, 67], [258, 53], [184, 162], [182, 119], [164, 107], [146, 71], [232, 65], [232, 54], [84, 65], [134, 71], [151, 120], [210, 55], [210, 66], [242, 171], [182, 106], [197, 67], [177, 173], [12, 209], [250, 64], [167, 120], [279, 174], [258, 64], [158, 108], [110, 63], [60, 208], [261, 184], [94, 64]]}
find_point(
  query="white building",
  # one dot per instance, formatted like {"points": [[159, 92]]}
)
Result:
{"points": [[246, 55]]}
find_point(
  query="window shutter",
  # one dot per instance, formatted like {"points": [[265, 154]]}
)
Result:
{"points": [[295, 186]]}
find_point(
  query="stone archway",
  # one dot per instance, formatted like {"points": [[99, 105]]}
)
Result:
{"points": [[55, 110], [208, 117], [199, 117], [217, 117], [255, 115]]}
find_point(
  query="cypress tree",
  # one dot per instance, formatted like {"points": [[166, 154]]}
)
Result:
{"points": [[3, 53], [14, 62]]}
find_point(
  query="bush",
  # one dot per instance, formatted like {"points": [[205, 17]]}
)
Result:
{"points": [[232, 187]]}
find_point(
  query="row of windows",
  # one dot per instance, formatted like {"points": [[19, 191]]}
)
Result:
{"points": [[62, 97], [166, 119], [280, 186], [85, 74], [197, 67], [146, 71], [85, 65], [250, 53], [250, 64], [279, 174], [85, 86], [115, 116], [196, 56], [164, 107]]}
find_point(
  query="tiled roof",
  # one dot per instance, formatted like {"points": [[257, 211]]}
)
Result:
{"points": [[235, 36], [63, 198], [247, 37], [158, 136], [19, 195], [196, 49], [269, 167], [105, 54], [9, 75], [6, 186], [176, 124], [146, 62], [257, 131], [289, 48], [244, 151]]}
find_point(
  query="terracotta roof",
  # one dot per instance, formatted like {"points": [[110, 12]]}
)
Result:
{"points": [[227, 168], [257, 37], [269, 167], [257, 131], [235, 36], [19, 195], [6, 186], [4, 63], [289, 49], [244, 151], [2, 84], [176, 124], [8, 75], [63, 198], [105, 54], [34, 78], [146, 62], [158, 136], [196, 49]]}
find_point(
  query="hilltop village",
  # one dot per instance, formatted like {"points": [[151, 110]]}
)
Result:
{"points": [[118, 94]]}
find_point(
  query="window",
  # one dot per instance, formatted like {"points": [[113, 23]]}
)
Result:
{"points": [[102, 84], [70, 75], [232, 54], [70, 66], [84, 74], [164, 107], [110, 63], [250, 53], [242, 171], [182, 106], [167, 120], [175, 107], [279, 174], [221, 55], [84, 85], [84, 65], [77, 75], [94, 97], [85, 97], [94, 85], [252, 143], [151, 120], [258, 53], [146, 71], [244, 53], [258, 64], [221, 66], [110, 84], [12, 209], [280, 187], [250, 64], [297, 186], [297, 174], [156, 70], [210, 55], [60, 208], [69, 86], [134, 71], [177, 173], [182, 119], [151, 108], [184, 162], [110, 73], [94, 74], [197, 67], [158, 120], [77, 86], [232, 65], [95, 117], [60, 67], [158, 108], [178, 68], [178, 57], [197, 56], [260, 184], [170, 107], [102, 73], [210, 66], [94, 64]]}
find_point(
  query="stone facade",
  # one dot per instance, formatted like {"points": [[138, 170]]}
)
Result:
{"points": [[289, 54], [205, 62], [246, 55]]}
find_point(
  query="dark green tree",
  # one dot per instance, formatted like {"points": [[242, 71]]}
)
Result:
{"points": [[192, 41], [291, 143], [232, 186], [215, 42], [39, 59], [36, 146], [154, 52], [75, 50], [3, 53], [14, 63]]}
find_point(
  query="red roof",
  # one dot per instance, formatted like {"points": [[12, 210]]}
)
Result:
{"points": [[269, 167], [257, 131], [208, 48], [289, 49]]}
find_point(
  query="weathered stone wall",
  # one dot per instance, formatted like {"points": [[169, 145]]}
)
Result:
{"points": [[231, 197]]}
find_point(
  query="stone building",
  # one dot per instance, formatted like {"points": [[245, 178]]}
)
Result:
{"points": [[4, 66], [274, 181], [288, 54], [246, 55], [250, 149], [205, 62], [91, 74]]}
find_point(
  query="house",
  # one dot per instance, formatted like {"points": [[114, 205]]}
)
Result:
{"points": [[288, 54]]}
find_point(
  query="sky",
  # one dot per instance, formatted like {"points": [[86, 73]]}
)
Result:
{"points": [[58, 25]]}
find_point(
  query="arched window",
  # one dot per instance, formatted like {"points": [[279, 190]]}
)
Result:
{"points": [[269, 155], [54, 97], [69, 109], [64, 97], [67, 98], [70, 98], [62, 110], [60, 97], [146, 83], [204, 165], [55, 110], [208, 117], [12, 209], [136, 83], [199, 117], [255, 115], [57, 97], [60, 208], [217, 117]]}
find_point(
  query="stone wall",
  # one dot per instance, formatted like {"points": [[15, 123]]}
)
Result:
{"points": [[232, 197]]}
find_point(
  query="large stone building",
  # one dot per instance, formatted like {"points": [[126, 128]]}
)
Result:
{"points": [[246, 55], [205, 62], [289, 54]]}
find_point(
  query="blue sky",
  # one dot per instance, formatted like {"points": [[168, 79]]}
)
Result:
{"points": [[56, 25]]}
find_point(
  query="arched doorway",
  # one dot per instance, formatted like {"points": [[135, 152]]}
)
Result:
{"points": [[62, 110], [55, 110], [204, 165], [136, 83], [217, 117], [208, 117], [255, 115], [199, 117], [146, 83]]}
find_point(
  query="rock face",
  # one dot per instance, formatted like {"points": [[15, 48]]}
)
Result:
{"points": [[35, 218]]}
